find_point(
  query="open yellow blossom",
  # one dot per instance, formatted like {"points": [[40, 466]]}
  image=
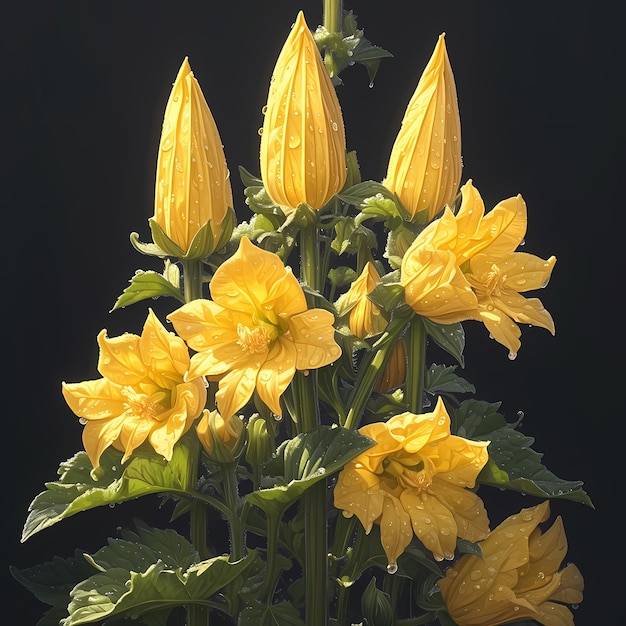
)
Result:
{"points": [[303, 145], [192, 178], [518, 576], [142, 396], [414, 481], [424, 168], [464, 266], [256, 331], [365, 318]]}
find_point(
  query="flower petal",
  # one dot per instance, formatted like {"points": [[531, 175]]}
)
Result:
{"points": [[276, 373], [525, 272], [236, 388], [120, 358], [395, 528], [313, 334], [357, 492], [94, 399]]}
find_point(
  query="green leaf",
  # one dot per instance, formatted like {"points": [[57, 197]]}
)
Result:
{"points": [[442, 379], [79, 490], [144, 285], [280, 614], [387, 296], [155, 587], [376, 606], [450, 337], [475, 419], [305, 460], [514, 465], [356, 194], [468, 547], [342, 275]]}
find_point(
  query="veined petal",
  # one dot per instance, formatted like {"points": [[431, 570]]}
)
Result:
{"points": [[256, 282], [313, 334], [98, 435], [120, 358], [502, 328], [94, 399], [395, 528], [163, 352], [526, 272], [553, 614], [571, 587], [135, 430], [461, 458], [433, 522], [468, 218], [524, 310], [303, 144], [357, 492], [276, 373], [236, 388]]}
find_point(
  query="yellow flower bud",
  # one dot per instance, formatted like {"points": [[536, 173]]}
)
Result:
{"points": [[394, 373], [192, 179], [303, 145], [222, 439], [424, 168]]}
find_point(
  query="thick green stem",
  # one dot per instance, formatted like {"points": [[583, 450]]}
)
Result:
{"points": [[310, 256], [197, 615], [370, 370], [231, 492], [333, 14], [416, 362]]}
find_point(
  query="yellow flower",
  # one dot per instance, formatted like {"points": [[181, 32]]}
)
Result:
{"points": [[365, 319], [424, 168], [414, 481], [192, 179], [464, 266], [517, 577], [219, 437], [256, 332], [303, 145], [141, 396]]}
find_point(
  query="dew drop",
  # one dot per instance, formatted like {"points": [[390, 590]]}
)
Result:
{"points": [[392, 568]]}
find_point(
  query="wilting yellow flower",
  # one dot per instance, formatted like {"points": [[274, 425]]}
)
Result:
{"points": [[414, 481], [365, 318], [424, 168], [219, 437], [517, 577], [142, 396], [464, 266], [192, 179], [256, 332], [303, 144]]}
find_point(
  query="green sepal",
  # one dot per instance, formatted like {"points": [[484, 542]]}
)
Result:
{"points": [[262, 614], [81, 488], [148, 284], [163, 241], [259, 200], [450, 337], [305, 460], [376, 606], [350, 237], [387, 296], [468, 547]]}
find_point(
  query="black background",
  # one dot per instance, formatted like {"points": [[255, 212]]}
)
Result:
{"points": [[84, 90]]}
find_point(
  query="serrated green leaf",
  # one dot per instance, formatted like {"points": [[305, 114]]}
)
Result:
{"points": [[280, 614], [474, 419], [305, 460], [442, 379], [78, 490], [144, 285], [450, 337], [514, 465], [158, 587]]}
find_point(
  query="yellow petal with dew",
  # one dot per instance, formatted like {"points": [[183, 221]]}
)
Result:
{"points": [[313, 334], [395, 529], [276, 373], [120, 358]]}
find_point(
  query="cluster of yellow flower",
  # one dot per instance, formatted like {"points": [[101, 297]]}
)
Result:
{"points": [[256, 330]]}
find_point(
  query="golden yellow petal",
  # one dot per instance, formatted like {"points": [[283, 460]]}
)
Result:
{"points": [[553, 614], [358, 492], [468, 219], [313, 334], [135, 430], [303, 144], [120, 358], [235, 388], [459, 460], [192, 178], [276, 373], [395, 528], [255, 281], [525, 272], [502, 328], [572, 585], [425, 163], [99, 435], [94, 399]]}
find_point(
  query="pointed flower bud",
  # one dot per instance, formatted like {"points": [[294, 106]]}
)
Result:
{"points": [[303, 145], [222, 439], [192, 179], [424, 168]]}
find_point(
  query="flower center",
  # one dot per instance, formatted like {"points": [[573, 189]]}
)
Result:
{"points": [[488, 283], [255, 340], [140, 404]]}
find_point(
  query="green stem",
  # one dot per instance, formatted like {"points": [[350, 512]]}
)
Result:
{"points": [[198, 615], [416, 362], [310, 256], [333, 14], [231, 493], [269, 584], [371, 368]]}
